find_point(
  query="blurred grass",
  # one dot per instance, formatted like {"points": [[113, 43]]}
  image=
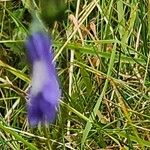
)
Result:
{"points": [[102, 55]]}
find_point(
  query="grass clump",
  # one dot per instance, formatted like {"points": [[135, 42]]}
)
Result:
{"points": [[102, 54]]}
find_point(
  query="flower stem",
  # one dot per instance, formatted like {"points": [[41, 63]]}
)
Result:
{"points": [[47, 135]]}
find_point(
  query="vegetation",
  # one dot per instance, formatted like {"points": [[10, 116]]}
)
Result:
{"points": [[103, 62]]}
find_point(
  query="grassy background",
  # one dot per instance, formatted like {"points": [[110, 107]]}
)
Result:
{"points": [[102, 54]]}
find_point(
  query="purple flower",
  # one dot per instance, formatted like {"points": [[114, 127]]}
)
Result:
{"points": [[44, 93]]}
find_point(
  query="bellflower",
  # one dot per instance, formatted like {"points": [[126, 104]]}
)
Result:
{"points": [[44, 93]]}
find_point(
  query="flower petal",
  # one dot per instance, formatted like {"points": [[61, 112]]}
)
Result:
{"points": [[38, 46], [41, 110]]}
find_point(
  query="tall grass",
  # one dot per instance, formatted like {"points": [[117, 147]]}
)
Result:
{"points": [[103, 58]]}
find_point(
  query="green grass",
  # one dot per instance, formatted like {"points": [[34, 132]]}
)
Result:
{"points": [[102, 55]]}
